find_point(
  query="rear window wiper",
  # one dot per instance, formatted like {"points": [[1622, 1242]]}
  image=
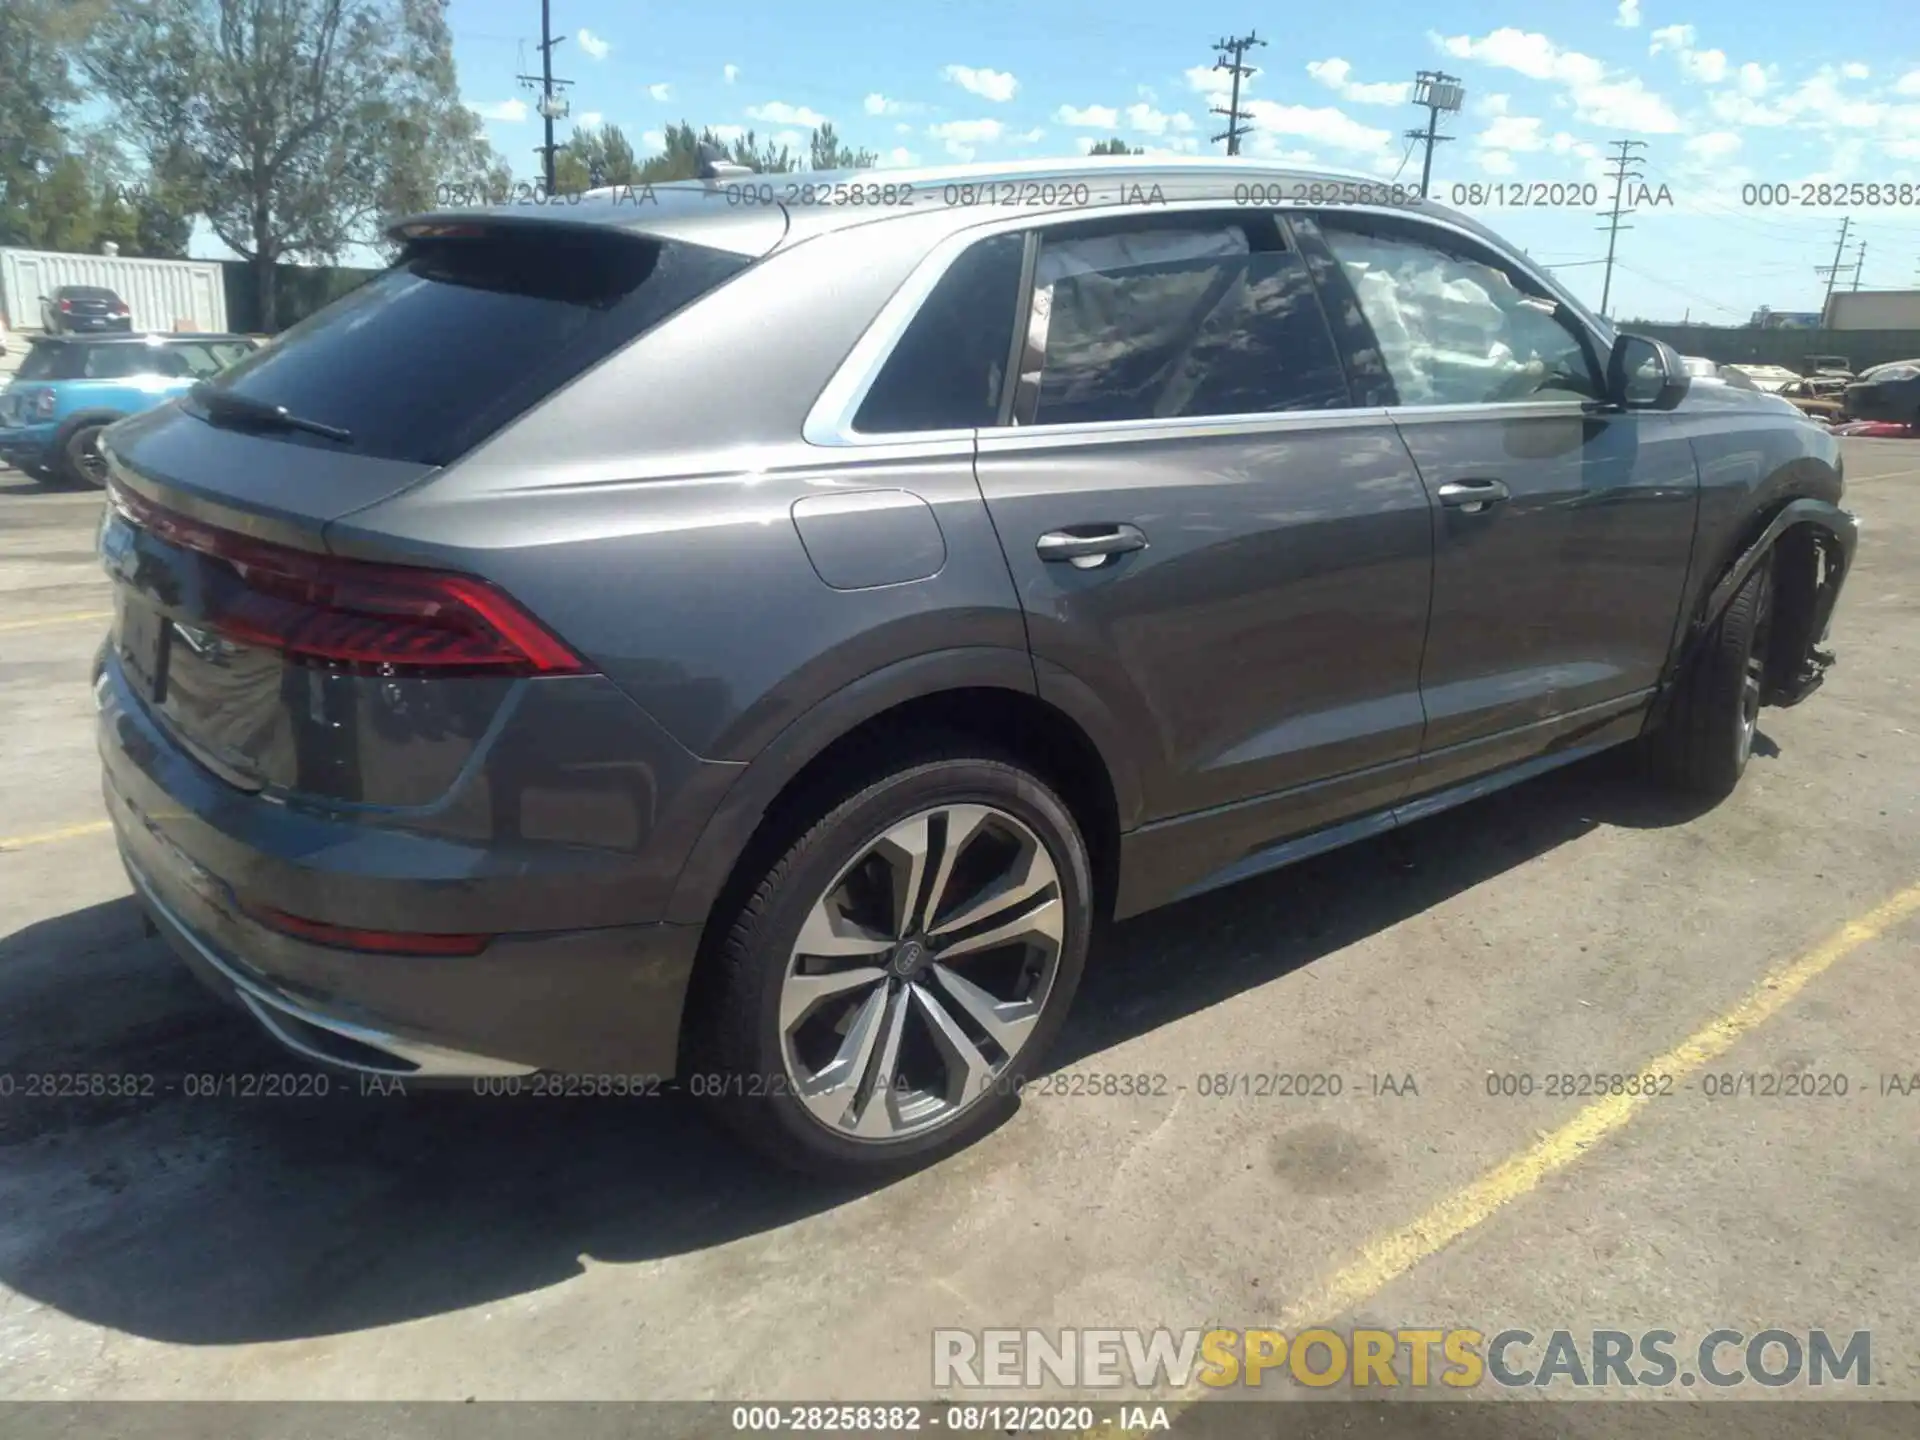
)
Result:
{"points": [[226, 407]]}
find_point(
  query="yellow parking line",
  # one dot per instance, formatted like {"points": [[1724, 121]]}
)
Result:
{"points": [[1392, 1255], [71, 618], [47, 837], [1389, 1256]]}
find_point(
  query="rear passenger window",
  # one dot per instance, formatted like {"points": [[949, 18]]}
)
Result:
{"points": [[1164, 323], [948, 370]]}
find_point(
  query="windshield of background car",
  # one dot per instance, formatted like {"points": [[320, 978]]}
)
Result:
{"points": [[464, 333]]}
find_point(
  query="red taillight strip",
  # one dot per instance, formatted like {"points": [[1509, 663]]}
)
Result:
{"points": [[327, 610], [382, 942]]}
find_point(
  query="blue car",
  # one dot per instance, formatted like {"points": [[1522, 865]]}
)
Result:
{"points": [[71, 387]]}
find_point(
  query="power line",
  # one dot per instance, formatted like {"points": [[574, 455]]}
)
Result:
{"points": [[1621, 174], [1441, 94], [550, 105], [1236, 46], [1832, 272]]}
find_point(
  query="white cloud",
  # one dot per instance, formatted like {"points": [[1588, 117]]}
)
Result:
{"points": [[898, 156], [727, 134], [590, 119], [510, 112], [961, 136], [653, 140], [1496, 162], [988, 84], [1088, 117], [778, 112], [1629, 15], [1324, 123], [878, 104], [1512, 132], [1210, 80], [1146, 120], [1713, 145], [1490, 104], [1181, 122], [592, 45], [788, 140], [1625, 105], [1029, 137], [1532, 54], [730, 73], [662, 92], [1336, 74], [1706, 65], [1753, 79], [1854, 70], [1909, 83]]}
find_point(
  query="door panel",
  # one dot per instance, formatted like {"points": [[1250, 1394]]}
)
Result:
{"points": [[1270, 632], [1562, 596]]}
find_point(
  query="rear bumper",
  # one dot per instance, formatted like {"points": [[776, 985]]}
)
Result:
{"points": [[27, 444], [601, 1000], [1899, 402]]}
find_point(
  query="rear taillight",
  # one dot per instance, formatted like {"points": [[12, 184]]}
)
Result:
{"points": [[44, 402], [66, 306], [120, 310], [328, 612], [383, 942]]}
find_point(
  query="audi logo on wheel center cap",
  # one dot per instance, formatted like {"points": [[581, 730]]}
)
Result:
{"points": [[907, 958]]}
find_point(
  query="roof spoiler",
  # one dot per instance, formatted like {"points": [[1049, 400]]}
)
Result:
{"points": [[714, 164]]}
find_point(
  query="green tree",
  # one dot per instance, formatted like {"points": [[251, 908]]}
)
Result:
{"points": [[299, 127], [37, 90], [827, 153], [1116, 146]]}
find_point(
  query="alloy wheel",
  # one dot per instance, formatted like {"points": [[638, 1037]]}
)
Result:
{"points": [[921, 972]]}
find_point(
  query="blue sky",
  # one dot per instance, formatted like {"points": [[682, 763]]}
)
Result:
{"points": [[1725, 94]]}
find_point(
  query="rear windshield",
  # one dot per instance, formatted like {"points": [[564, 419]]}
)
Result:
{"points": [[460, 335], [86, 292], [50, 362]]}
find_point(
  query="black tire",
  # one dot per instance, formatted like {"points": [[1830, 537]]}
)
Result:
{"points": [[1703, 744], [79, 463], [737, 1061]]}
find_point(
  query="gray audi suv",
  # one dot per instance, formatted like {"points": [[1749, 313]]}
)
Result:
{"points": [[742, 635]]}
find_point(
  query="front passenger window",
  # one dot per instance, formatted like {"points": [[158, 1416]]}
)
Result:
{"points": [[1454, 330]]}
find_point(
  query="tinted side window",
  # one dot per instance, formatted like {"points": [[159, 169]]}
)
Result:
{"points": [[1161, 323], [1454, 330], [948, 371]]}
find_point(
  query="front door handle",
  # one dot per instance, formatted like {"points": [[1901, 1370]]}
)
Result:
{"points": [[1089, 546], [1472, 496]]}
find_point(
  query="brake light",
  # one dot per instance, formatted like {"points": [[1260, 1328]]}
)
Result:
{"points": [[348, 937], [67, 306], [366, 618], [121, 310]]}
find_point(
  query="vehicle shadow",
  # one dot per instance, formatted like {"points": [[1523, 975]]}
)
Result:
{"points": [[227, 1218]]}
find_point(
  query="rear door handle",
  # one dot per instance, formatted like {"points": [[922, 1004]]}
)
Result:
{"points": [[1472, 496], [1089, 546]]}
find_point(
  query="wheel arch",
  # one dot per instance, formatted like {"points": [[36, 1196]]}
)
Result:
{"points": [[984, 692], [1799, 528]]}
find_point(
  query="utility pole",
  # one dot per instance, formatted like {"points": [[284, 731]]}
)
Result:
{"points": [[1236, 46], [1621, 174], [1859, 263], [1832, 272], [550, 105], [1441, 94]]}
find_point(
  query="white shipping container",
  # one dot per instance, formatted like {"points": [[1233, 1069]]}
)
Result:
{"points": [[1874, 310], [163, 294]]}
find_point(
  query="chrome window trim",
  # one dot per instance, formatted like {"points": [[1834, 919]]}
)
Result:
{"points": [[829, 423], [1004, 438]]}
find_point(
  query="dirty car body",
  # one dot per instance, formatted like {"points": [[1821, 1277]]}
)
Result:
{"points": [[1128, 509]]}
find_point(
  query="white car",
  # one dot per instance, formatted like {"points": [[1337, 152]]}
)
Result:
{"points": [[1768, 377]]}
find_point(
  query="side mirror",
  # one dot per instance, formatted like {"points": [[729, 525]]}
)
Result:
{"points": [[1645, 374]]}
